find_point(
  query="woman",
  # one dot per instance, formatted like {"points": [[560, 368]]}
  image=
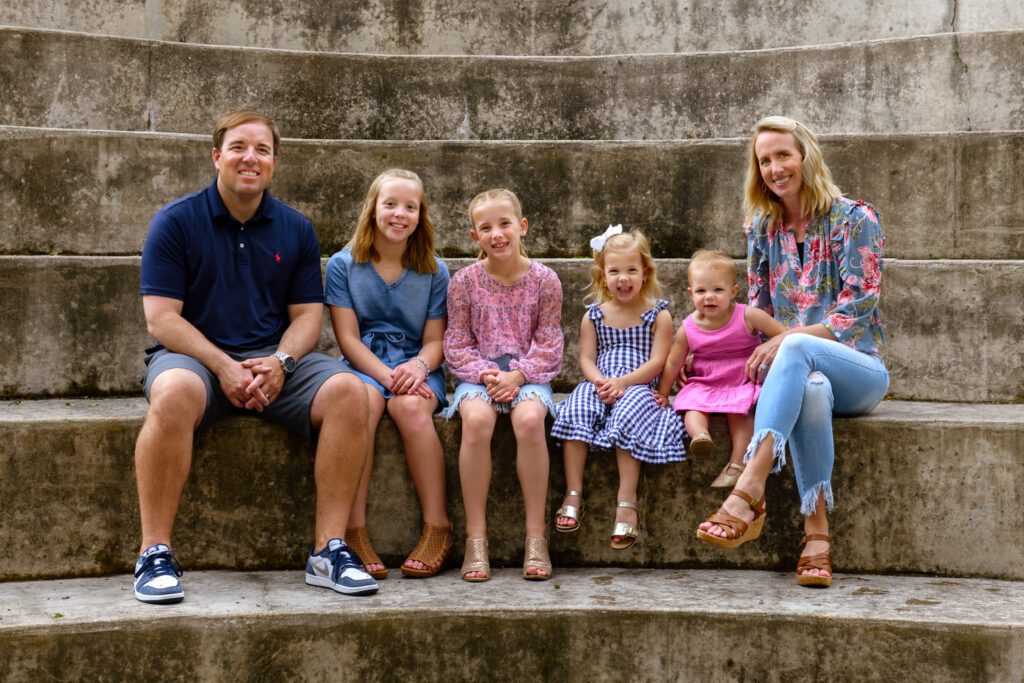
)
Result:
{"points": [[814, 261]]}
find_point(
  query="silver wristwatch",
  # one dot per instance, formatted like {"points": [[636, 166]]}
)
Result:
{"points": [[287, 362]]}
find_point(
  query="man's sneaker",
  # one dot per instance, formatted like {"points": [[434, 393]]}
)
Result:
{"points": [[156, 576], [337, 566]]}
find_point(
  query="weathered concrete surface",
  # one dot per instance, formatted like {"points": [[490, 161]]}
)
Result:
{"points": [[535, 27], [75, 325], [67, 475], [94, 193], [947, 82], [269, 626]]}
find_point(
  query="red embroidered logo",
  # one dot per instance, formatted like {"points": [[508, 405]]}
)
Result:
{"points": [[277, 257]]}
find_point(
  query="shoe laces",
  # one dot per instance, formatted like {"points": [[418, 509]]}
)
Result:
{"points": [[341, 557], [162, 563]]}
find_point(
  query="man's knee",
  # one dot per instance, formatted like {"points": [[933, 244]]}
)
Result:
{"points": [[177, 397]]}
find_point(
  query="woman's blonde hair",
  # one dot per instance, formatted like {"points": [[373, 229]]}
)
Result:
{"points": [[710, 259], [419, 250], [497, 194], [817, 192], [599, 291]]}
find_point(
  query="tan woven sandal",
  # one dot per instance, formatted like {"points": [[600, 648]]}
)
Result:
{"points": [[626, 530], [728, 477], [433, 550], [359, 540], [741, 531], [536, 557], [819, 561], [572, 512], [702, 445], [476, 560]]}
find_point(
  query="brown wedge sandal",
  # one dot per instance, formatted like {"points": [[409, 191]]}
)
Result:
{"points": [[359, 540], [476, 560], [433, 550], [821, 561], [741, 531], [537, 557]]}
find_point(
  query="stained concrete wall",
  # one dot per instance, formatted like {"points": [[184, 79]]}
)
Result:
{"points": [[66, 473], [95, 193], [937, 83], [531, 27], [75, 325]]}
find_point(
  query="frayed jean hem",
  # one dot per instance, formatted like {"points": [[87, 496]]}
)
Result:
{"points": [[527, 392], [809, 500], [778, 448]]}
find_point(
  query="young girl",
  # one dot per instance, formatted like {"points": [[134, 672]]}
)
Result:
{"points": [[624, 339], [721, 335], [387, 295], [504, 343]]}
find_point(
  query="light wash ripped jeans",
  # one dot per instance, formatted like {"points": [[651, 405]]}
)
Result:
{"points": [[810, 380]]}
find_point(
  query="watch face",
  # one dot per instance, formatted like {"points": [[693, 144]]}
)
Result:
{"points": [[287, 362]]}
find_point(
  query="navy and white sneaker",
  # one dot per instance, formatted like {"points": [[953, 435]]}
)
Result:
{"points": [[156, 576], [338, 567]]}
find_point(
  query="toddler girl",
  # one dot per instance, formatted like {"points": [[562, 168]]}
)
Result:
{"points": [[504, 343], [387, 295], [721, 335], [624, 339]]}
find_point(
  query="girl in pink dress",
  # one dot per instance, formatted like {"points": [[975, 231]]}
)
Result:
{"points": [[721, 335]]}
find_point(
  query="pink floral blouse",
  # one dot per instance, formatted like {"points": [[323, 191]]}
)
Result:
{"points": [[838, 283], [488, 319]]}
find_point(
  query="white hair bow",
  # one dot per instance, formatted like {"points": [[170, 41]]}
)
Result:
{"points": [[597, 244]]}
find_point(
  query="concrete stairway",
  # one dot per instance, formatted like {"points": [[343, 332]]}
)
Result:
{"points": [[595, 112]]}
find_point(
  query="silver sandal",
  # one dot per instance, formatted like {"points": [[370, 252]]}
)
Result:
{"points": [[627, 530], [572, 512]]}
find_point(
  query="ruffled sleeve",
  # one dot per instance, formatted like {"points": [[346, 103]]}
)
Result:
{"points": [[857, 242], [461, 350], [651, 314], [543, 361], [758, 268]]}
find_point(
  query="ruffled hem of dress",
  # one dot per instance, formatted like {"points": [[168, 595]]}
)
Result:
{"points": [[669, 450]]}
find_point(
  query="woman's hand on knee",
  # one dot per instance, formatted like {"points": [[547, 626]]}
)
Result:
{"points": [[761, 359]]}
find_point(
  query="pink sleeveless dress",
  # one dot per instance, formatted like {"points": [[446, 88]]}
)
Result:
{"points": [[717, 383]]}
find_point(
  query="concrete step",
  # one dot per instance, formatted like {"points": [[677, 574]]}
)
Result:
{"points": [[95, 192], [70, 508], [74, 325], [533, 27], [945, 83], [583, 625]]}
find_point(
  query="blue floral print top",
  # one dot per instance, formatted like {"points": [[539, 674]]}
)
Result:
{"points": [[839, 282]]}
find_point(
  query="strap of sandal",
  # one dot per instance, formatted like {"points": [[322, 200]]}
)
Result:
{"points": [[734, 524], [756, 505], [626, 504], [814, 537], [821, 561]]}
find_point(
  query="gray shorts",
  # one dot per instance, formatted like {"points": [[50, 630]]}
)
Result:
{"points": [[290, 409]]}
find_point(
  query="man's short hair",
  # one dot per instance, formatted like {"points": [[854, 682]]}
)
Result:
{"points": [[239, 116]]}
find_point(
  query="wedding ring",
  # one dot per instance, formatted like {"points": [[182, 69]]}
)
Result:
{"points": [[762, 367]]}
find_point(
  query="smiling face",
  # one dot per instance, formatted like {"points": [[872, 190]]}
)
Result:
{"points": [[712, 291], [497, 229], [397, 211], [245, 162], [781, 165], [624, 274]]}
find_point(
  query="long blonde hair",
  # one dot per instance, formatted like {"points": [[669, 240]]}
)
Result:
{"points": [[599, 291], [496, 194], [419, 250], [817, 192]]}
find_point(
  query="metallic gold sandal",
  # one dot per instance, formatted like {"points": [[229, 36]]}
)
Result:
{"points": [[476, 560], [626, 530], [537, 557], [433, 550], [728, 477], [572, 512], [359, 540]]}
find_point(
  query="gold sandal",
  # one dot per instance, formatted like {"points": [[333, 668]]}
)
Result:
{"points": [[433, 550], [572, 512], [476, 560], [537, 557], [741, 531], [626, 530], [819, 561], [359, 540]]}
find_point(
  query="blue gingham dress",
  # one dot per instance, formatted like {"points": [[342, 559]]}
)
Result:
{"points": [[634, 423]]}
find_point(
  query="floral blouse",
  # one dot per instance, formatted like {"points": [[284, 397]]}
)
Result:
{"points": [[839, 282], [488, 320]]}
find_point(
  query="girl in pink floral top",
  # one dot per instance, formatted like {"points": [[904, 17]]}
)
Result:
{"points": [[815, 263], [504, 343]]}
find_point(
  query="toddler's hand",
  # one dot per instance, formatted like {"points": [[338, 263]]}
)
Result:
{"points": [[660, 399]]}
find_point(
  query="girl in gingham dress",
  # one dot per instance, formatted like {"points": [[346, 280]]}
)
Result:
{"points": [[624, 340]]}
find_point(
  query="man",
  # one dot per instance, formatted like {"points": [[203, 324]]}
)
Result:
{"points": [[232, 291]]}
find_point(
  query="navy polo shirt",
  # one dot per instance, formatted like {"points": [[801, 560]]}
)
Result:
{"points": [[235, 280]]}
